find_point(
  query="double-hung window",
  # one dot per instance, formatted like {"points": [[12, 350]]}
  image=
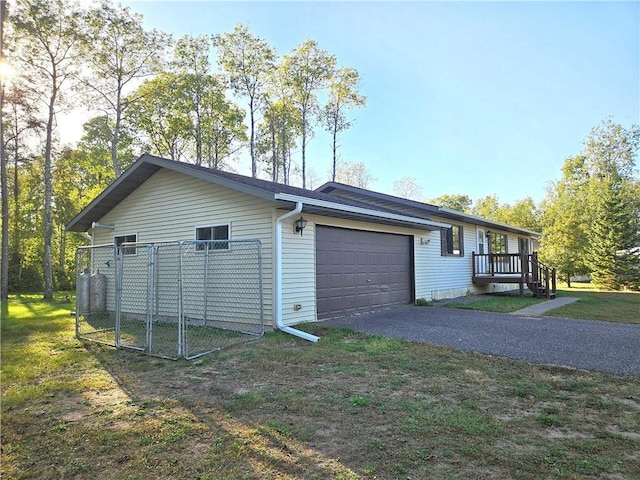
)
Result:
{"points": [[120, 239], [451, 241], [213, 232]]}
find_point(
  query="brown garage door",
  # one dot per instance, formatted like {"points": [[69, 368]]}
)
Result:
{"points": [[360, 271]]}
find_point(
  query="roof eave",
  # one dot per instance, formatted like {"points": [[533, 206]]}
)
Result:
{"points": [[92, 212], [363, 213], [488, 223]]}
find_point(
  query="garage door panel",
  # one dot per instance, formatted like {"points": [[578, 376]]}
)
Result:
{"points": [[321, 282], [366, 271], [349, 280]]}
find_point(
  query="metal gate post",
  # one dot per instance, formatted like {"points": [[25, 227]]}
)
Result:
{"points": [[118, 292], [206, 283], [150, 294], [181, 353], [260, 290]]}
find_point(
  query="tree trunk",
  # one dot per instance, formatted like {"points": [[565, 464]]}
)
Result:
{"points": [[4, 269], [48, 266], [16, 188], [304, 148], [4, 252], [285, 148], [335, 149], [198, 134], [274, 148], [63, 250], [254, 166], [116, 135]]}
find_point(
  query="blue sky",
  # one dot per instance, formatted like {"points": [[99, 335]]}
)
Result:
{"points": [[467, 97]]}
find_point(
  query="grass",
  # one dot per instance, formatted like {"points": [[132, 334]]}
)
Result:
{"points": [[594, 304], [351, 406], [498, 303]]}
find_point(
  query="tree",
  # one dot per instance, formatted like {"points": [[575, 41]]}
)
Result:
{"points": [[21, 128], [4, 189], [459, 202], [93, 169], [160, 116], [487, 207], [280, 129], [591, 216], [613, 232], [247, 60], [565, 221], [191, 59], [222, 126], [610, 152], [343, 95], [118, 52], [48, 32], [353, 173], [408, 187], [309, 69]]}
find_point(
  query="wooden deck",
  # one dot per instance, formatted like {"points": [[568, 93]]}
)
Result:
{"points": [[517, 268]]}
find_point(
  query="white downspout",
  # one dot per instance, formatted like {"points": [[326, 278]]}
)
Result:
{"points": [[278, 267]]}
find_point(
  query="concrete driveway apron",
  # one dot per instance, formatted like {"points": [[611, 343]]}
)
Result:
{"points": [[586, 344]]}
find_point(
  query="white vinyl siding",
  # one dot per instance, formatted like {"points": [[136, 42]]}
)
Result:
{"points": [[451, 276], [169, 205], [298, 271]]}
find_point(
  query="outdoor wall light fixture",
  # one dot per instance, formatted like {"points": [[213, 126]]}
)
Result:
{"points": [[300, 224]]}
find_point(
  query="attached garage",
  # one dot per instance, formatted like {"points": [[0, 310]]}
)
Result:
{"points": [[360, 271]]}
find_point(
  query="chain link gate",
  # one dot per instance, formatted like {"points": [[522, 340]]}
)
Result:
{"points": [[174, 299]]}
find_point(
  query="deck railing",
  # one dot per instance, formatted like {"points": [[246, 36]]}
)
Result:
{"points": [[501, 263], [520, 268]]}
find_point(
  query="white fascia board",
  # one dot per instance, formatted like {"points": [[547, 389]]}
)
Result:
{"points": [[358, 210]]}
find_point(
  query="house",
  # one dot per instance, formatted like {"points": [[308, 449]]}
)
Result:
{"points": [[333, 251]]}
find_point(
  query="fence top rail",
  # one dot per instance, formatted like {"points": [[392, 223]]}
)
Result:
{"points": [[169, 243], [500, 254], [103, 245]]}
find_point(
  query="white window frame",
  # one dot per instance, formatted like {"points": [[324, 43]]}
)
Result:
{"points": [[212, 246], [125, 250], [482, 242]]}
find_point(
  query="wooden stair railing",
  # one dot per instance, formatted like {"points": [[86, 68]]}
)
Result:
{"points": [[542, 279]]}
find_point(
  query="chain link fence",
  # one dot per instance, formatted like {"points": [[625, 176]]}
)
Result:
{"points": [[178, 299]]}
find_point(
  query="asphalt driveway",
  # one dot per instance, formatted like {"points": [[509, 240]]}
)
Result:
{"points": [[586, 344]]}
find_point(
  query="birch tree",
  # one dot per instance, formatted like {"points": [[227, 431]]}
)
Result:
{"points": [[309, 69], [119, 52], [343, 96], [354, 173], [408, 187], [191, 59], [48, 32], [247, 61]]}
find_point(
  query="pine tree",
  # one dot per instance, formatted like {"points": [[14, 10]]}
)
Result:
{"points": [[613, 233]]}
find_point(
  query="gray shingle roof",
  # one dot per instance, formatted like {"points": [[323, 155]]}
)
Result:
{"points": [[147, 165]]}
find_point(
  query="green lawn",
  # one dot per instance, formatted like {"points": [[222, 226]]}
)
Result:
{"points": [[622, 307], [497, 303], [351, 406]]}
